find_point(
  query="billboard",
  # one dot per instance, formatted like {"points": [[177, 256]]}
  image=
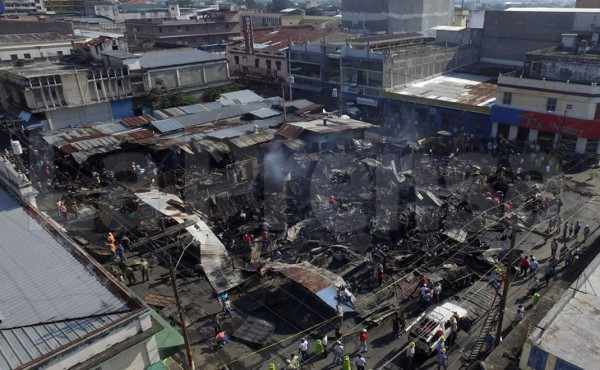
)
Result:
{"points": [[248, 34], [561, 124]]}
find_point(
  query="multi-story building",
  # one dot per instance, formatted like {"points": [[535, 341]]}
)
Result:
{"points": [[391, 16], [267, 61], [23, 6], [32, 46], [123, 11], [554, 100], [260, 20], [63, 95], [372, 65], [65, 6], [213, 26], [67, 95], [587, 4]]}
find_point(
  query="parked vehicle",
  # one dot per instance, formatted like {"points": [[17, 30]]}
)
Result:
{"points": [[433, 325]]}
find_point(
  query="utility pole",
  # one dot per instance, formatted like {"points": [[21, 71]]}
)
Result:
{"points": [[283, 97], [507, 279], [186, 339]]}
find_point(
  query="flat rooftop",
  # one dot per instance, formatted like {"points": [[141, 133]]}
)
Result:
{"points": [[21, 38], [554, 10], [565, 53], [570, 326], [460, 88]]}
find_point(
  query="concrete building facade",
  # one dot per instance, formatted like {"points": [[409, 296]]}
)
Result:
{"points": [[32, 46], [390, 17], [554, 100], [122, 12], [212, 27], [24, 6]]}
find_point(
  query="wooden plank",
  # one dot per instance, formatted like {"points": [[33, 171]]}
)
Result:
{"points": [[158, 300], [80, 240], [168, 231]]}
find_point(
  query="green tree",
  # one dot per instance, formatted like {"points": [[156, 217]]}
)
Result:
{"points": [[159, 97], [214, 93], [314, 11]]}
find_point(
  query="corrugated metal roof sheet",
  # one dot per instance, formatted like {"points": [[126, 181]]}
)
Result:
{"points": [[110, 128], [309, 276], [215, 258], [290, 131], [177, 57], [218, 114], [105, 141], [235, 131], [167, 125], [195, 108], [49, 299], [239, 97], [137, 121], [244, 141], [265, 113], [329, 296]]}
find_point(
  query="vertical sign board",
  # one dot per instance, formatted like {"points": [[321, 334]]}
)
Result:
{"points": [[1, 7], [248, 34]]}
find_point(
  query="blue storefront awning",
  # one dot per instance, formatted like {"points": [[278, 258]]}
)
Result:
{"points": [[504, 115]]}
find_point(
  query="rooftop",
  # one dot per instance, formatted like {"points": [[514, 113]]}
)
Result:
{"points": [[177, 57], [278, 40], [21, 38], [52, 296], [567, 330], [554, 10], [293, 130], [592, 56], [454, 87]]}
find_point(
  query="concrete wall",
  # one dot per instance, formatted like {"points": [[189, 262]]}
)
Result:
{"points": [[188, 76], [34, 51], [13, 27], [406, 69], [139, 357], [87, 114], [507, 36], [391, 16]]}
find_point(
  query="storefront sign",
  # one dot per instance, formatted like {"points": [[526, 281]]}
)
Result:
{"points": [[560, 124], [248, 34], [367, 102]]}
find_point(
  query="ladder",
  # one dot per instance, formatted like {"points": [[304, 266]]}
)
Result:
{"points": [[488, 324]]}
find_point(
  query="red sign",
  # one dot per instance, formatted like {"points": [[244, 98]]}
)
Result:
{"points": [[248, 34], [561, 124]]}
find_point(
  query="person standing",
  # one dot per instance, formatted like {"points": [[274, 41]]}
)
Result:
{"points": [[571, 230], [362, 340], [130, 275], [577, 228], [247, 240], [426, 300], [227, 308], [145, 267], [338, 333], [518, 315], [338, 352], [453, 331], [490, 340], [553, 248], [324, 341], [339, 312], [75, 210], [534, 285], [533, 266], [217, 323], [524, 264], [437, 292], [396, 326], [303, 347], [318, 201], [565, 229], [63, 210], [548, 274], [360, 362], [379, 273], [410, 355], [332, 201], [586, 231], [120, 252], [402, 322], [442, 360]]}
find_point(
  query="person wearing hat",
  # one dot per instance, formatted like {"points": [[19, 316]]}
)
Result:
{"points": [[290, 365], [360, 362], [362, 340], [453, 331], [442, 360], [441, 345], [410, 355]]}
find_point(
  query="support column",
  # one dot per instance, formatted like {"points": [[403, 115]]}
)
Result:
{"points": [[533, 134], [494, 132], [580, 145], [512, 132]]}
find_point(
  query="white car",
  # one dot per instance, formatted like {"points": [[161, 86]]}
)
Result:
{"points": [[434, 324]]}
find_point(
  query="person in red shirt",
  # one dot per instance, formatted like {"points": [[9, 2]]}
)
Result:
{"points": [[247, 239], [362, 340], [524, 265], [332, 200]]}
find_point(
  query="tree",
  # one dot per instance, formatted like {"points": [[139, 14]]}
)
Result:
{"points": [[214, 93], [159, 97], [314, 11], [278, 5]]}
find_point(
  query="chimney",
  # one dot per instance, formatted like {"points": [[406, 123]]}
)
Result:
{"points": [[569, 41]]}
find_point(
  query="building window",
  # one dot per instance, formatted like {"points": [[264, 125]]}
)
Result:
{"points": [[187, 28], [268, 64], [159, 29], [278, 65], [27, 56], [59, 53], [551, 105], [14, 57], [99, 86], [237, 59], [507, 98], [256, 62]]}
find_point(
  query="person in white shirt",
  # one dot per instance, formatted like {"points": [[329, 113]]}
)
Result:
{"points": [[410, 355], [303, 347], [360, 362], [338, 352], [518, 315]]}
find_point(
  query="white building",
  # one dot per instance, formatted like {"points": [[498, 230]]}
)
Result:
{"points": [[61, 310], [24, 6], [35, 45]]}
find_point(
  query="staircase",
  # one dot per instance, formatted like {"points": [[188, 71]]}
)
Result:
{"points": [[488, 324]]}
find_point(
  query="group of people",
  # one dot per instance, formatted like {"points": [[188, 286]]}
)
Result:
{"points": [[429, 292]]}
